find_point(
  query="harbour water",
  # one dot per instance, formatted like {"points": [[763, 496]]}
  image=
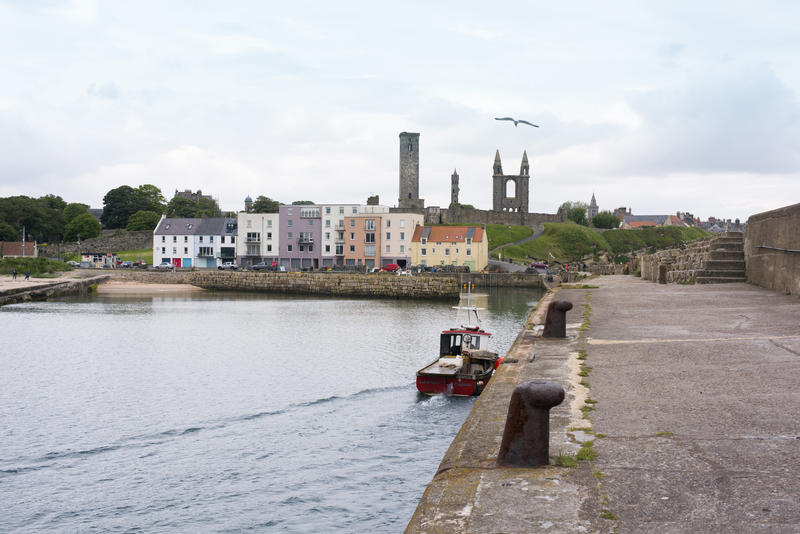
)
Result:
{"points": [[225, 413]]}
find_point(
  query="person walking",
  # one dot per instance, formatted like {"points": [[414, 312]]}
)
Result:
{"points": [[14, 273], [28, 274]]}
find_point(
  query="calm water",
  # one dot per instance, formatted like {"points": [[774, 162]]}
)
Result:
{"points": [[225, 413]]}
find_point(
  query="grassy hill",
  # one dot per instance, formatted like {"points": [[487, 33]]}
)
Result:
{"points": [[572, 242]]}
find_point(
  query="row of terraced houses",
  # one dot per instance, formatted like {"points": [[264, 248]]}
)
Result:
{"points": [[318, 236]]}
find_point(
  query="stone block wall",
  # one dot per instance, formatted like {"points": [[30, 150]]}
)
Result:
{"points": [[339, 284], [677, 265], [772, 249], [107, 241]]}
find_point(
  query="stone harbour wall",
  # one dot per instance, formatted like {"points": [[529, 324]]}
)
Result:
{"points": [[772, 249], [54, 289], [339, 284], [680, 265]]}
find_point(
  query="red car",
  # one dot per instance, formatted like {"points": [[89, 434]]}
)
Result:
{"points": [[391, 268]]}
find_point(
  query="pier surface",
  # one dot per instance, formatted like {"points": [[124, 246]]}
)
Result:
{"points": [[695, 421]]}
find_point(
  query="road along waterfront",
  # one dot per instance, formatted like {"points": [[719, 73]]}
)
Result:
{"points": [[225, 411]]}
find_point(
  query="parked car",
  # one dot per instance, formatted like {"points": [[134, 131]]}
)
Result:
{"points": [[165, 266], [127, 264], [261, 266], [73, 263], [391, 268], [228, 266]]}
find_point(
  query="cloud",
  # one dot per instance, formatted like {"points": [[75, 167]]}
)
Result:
{"points": [[109, 90], [78, 11]]}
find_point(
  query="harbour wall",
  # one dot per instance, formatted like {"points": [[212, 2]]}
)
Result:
{"points": [[483, 280], [772, 249], [46, 291], [309, 283]]}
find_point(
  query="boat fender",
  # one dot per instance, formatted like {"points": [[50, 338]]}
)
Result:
{"points": [[498, 362]]}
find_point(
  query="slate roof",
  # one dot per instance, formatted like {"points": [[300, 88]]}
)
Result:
{"points": [[193, 226]]}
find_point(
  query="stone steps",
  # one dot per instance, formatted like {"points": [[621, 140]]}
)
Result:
{"points": [[722, 255], [725, 265], [721, 273], [719, 279]]}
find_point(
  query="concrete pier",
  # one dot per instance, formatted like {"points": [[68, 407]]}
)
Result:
{"points": [[688, 424]]}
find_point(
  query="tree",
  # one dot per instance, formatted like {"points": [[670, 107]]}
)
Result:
{"points": [[143, 220], [302, 203], [7, 232], [186, 207], [264, 204], [42, 221], [53, 202], [84, 225], [73, 210], [605, 219], [152, 199], [120, 203], [578, 216]]}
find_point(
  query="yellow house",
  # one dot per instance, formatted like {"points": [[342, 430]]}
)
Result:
{"points": [[450, 245]]}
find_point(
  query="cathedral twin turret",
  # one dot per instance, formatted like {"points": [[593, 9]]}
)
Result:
{"points": [[510, 192]]}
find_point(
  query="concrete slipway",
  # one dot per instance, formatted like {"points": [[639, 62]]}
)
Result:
{"points": [[696, 423]]}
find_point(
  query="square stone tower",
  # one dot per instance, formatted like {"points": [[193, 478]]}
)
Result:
{"points": [[409, 172]]}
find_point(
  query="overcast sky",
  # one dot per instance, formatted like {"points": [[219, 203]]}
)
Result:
{"points": [[658, 106]]}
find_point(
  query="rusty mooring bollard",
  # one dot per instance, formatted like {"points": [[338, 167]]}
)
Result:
{"points": [[526, 438], [555, 324]]}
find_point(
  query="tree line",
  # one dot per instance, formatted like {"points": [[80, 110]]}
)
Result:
{"points": [[576, 212], [51, 219]]}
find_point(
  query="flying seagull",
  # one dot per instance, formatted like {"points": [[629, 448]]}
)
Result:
{"points": [[516, 121]]}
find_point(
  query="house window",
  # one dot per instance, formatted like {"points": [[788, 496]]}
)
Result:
{"points": [[249, 223], [402, 223], [355, 210], [339, 250], [388, 223], [269, 236], [369, 237], [469, 252], [424, 241], [269, 223], [288, 248], [402, 236], [469, 241], [352, 249], [352, 236], [253, 237], [310, 222], [447, 252], [387, 249], [369, 224], [201, 239], [211, 239], [352, 223], [311, 248], [301, 248], [327, 210], [163, 238], [289, 223], [341, 210], [185, 239], [452, 244], [163, 250], [174, 250], [175, 238], [402, 248], [327, 223], [222, 240], [233, 239], [269, 248], [327, 248], [288, 211], [327, 235], [388, 236], [424, 252], [186, 250], [289, 235], [438, 242], [369, 250]]}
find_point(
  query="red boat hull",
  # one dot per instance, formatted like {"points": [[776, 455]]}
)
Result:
{"points": [[448, 385]]}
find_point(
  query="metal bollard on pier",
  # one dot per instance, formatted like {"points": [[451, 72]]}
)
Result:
{"points": [[526, 438], [555, 323]]}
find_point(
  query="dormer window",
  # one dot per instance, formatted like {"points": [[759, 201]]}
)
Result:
{"points": [[166, 227]]}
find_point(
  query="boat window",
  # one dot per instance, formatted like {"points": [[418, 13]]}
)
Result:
{"points": [[475, 343]]}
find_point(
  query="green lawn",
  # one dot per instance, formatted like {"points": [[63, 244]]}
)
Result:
{"points": [[145, 254], [500, 234]]}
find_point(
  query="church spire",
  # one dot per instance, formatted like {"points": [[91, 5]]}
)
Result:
{"points": [[524, 169], [498, 167]]}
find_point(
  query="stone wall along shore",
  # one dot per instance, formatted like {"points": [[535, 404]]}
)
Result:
{"points": [[337, 284], [772, 249], [46, 291]]}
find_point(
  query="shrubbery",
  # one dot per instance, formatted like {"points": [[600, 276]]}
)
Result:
{"points": [[36, 265]]}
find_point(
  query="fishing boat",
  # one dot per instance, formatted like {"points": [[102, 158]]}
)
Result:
{"points": [[465, 363]]}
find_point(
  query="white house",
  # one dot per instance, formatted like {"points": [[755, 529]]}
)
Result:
{"points": [[193, 242], [259, 238]]}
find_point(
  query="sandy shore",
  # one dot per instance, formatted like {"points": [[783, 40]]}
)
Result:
{"points": [[126, 287]]}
